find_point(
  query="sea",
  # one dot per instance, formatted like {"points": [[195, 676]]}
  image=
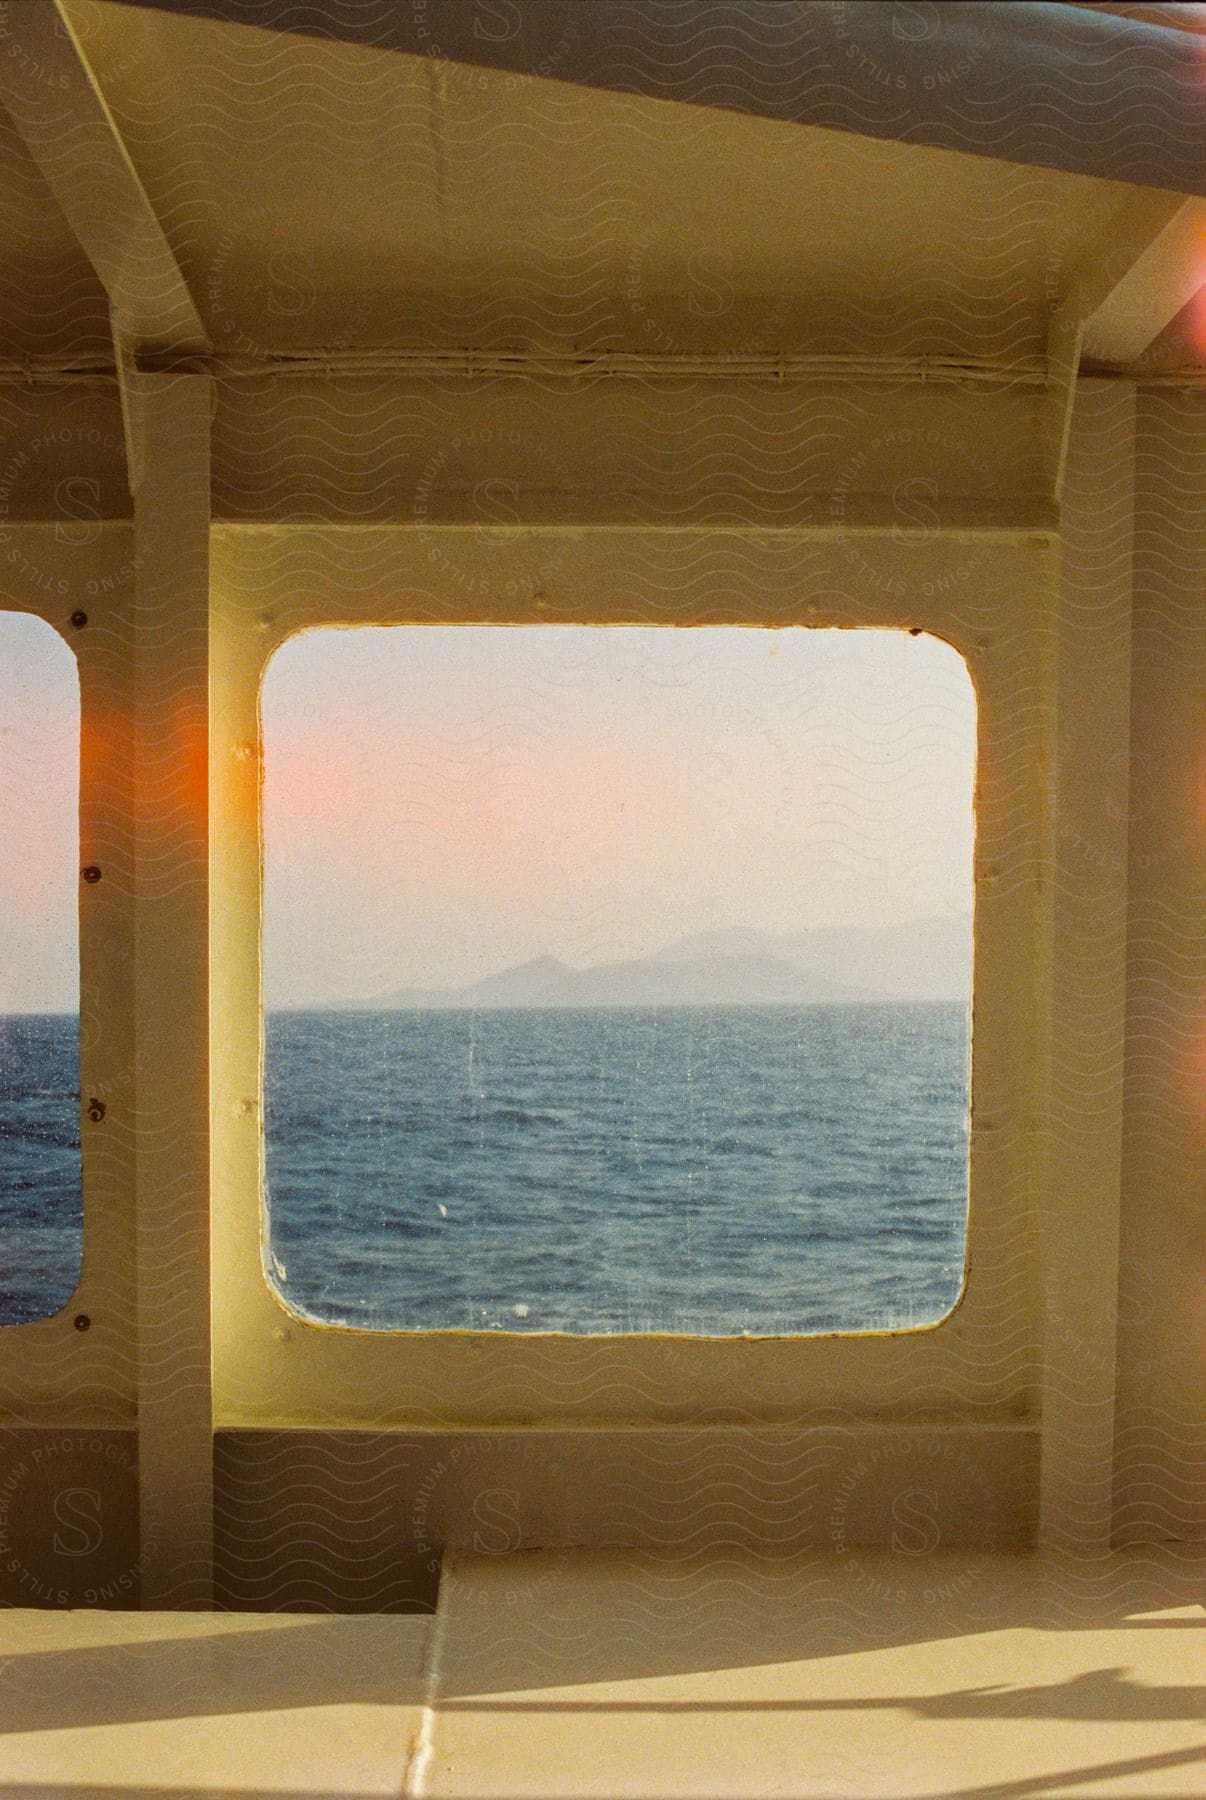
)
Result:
{"points": [[41, 1212], [721, 1171]]}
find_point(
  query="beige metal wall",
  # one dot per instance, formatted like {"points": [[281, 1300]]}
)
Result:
{"points": [[1043, 1407]]}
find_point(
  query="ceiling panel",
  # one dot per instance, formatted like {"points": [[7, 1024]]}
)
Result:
{"points": [[320, 194]]}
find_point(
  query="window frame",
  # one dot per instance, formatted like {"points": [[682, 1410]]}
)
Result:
{"points": [[77, 1366], [980, 1361]]}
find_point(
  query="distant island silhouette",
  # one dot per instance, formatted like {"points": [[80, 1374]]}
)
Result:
{"points": [[920, 960]]}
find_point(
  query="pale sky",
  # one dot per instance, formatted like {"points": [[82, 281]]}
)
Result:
{"points": [[39, 818], [442, 802]]}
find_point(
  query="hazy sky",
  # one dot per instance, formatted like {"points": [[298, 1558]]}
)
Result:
{"points": [[39, 818], [444, 801]]}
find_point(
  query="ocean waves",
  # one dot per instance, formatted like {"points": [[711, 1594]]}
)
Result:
{"points": [[717, 1170]]}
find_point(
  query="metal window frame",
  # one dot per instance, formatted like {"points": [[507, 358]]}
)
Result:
{"points": [[978, 1363], [55, 1372]]}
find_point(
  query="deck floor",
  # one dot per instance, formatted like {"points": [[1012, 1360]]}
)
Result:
{"points": [[637, 1676]]}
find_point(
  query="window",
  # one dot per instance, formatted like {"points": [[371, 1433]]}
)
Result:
{"points": [[41, 1218], [617, 979]]}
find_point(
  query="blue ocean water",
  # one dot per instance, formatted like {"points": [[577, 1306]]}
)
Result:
{"points": [[41, 1216], [737, 1169]]}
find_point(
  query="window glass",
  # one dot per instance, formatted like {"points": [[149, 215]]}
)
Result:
{"points": [[617, 979], [41, 1220]]}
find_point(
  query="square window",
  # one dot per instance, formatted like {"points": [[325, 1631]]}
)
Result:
{"points": [[617, 979]]}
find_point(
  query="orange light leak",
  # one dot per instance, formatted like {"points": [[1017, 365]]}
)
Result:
{"points": [[106, 748], [425, 805], [174, 744], [1197, 311], [161, 764], [315, 782]]}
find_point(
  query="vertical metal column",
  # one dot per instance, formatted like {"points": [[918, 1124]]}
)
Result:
{"points": [[1088, 974], [171, 988]]}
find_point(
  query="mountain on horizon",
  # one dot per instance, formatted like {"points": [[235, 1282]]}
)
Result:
{"points": [[923, 959]]}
